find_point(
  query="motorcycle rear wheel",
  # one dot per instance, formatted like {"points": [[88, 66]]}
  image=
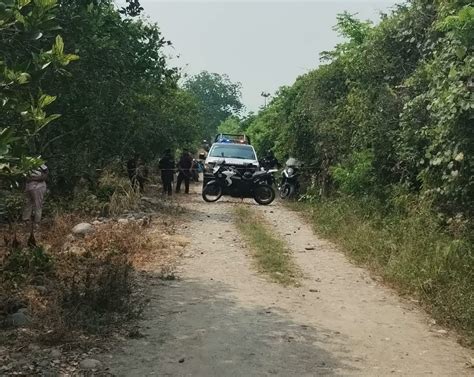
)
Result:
{"points": [[264, 194], [212, 192]]}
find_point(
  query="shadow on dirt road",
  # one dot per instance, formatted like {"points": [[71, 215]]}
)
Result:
{"points": [[195, 328]]}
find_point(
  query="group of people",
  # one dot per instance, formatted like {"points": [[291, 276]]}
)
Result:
{"points": [[138, 172], [35, 187], [184, 168]]}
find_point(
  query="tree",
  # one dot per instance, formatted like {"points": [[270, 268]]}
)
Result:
{"points": [[120, 97], [230, 126], [31, 50], [219, 98], [133, 8], [393, 101]]}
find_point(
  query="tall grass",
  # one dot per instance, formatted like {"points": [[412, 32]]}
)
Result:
{"points": [[123, 196], [410, 249]]}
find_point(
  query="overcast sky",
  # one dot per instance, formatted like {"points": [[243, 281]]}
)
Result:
{"points": [[262, 44]]}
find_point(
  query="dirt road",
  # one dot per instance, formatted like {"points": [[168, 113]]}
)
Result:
{"points": [[222, 318]]}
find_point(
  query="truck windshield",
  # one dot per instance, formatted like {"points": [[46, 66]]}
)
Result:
{"points": [[243, 152]]}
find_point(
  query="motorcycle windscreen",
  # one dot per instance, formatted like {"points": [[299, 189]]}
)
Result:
{"points": [[292, 162]]}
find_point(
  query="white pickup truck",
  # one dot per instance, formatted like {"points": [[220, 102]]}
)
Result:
{"points": [[240, 156]]}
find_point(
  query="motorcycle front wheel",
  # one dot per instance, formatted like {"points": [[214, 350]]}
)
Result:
{"points": [[212, 192], [264, 194], [287, 191]]}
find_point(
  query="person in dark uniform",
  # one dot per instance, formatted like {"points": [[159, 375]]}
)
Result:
{"points": [[185, 166], [270, 161], [166, 166]]}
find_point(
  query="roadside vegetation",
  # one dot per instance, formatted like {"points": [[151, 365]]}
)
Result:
{"points": [[384, 127], [272, 255], [84, 85], [75, 290]]}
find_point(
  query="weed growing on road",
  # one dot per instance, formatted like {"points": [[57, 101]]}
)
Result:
{"points": [[271, 253]]}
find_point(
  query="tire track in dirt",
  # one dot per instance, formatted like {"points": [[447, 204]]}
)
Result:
{"points": [[221, 318]]}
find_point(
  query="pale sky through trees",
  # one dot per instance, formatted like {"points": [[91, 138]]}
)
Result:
{"points": [[262, 44]]}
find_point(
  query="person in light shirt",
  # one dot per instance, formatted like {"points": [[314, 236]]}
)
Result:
{"points": [[35, 190]]}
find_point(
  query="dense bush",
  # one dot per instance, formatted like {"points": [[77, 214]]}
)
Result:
{"points": [[401, 89], [356, 177]]}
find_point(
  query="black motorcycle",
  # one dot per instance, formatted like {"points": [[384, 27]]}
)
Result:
{"points": [[270, 178], [230, 182], [290, 186]]}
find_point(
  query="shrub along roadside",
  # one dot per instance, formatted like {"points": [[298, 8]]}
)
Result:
{"points": [[409, 249]]}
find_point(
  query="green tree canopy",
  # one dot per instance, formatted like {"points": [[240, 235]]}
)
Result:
{"points": [[231, 125], [31, 49], [219, 97], [118, 97]]}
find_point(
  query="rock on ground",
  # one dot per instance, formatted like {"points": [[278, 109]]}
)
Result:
{"points": [[82, 229], [90, 364], [19, 319]]}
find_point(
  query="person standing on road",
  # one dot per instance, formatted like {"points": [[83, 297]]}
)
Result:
{"points": [[35, 190], [185, 167], [166, 166]]}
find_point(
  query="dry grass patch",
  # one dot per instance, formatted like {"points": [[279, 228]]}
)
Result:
{"points": [[272, 255], [164, 247], [72, 283]]}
